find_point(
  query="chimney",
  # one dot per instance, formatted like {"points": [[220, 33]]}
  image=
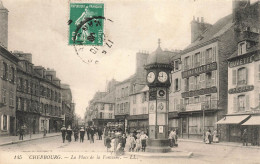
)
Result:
{"points": [[3, 25], [197, 28]]}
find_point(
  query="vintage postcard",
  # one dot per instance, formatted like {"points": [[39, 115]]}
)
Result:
{"points": [[127, 81]]}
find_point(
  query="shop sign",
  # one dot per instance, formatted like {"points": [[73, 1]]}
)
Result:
{"points": [[244, 59], [193, 107], [199, 92], [199, 70], [245, 88]]}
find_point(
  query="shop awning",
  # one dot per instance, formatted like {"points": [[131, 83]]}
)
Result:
{"points": [[232, 119], [253, 120]]}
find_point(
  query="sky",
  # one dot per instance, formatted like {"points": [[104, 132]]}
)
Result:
{"points": [[40, 27]]}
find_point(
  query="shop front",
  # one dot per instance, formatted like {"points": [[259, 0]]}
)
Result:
{"points": [[121, 120], [138, 122]]}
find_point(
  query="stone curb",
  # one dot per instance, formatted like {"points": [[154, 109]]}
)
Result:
{"points": [[221, 144], [172, 154], [20, 141]]}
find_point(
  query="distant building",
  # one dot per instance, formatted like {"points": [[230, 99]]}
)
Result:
{"points": [[68, 107], [3, 26]]}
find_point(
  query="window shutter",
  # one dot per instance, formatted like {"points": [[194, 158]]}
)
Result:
{"points": [[234, 77], [179, 85], [2, 122], [10, 72], [192, 61], [214, 54], [213, 79], [7, 72], [191, 83], [185, 82], [191, 100], [203, 81], [2, 69], [247, 103], [235, 101], [246, 74], [206, 57], [7, 122]]}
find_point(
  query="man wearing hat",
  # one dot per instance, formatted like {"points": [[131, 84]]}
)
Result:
{"points": [[63, 133], [82, 134]]}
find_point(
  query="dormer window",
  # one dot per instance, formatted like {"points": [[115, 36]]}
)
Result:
{"points": [[242, 48]]}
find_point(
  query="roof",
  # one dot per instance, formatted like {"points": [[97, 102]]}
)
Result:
{"points": [[141, 90], [215, 31], [159, 56], [127, 80], [109, 98], [2, 6], [250, 50]]}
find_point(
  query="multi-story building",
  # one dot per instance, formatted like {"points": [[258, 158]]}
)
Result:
{"points": [[50, 99], [205, 72], [8, 63], [27, 94], [244, 78], [68, 107], [175, 92], [105, 110], [138, 116]]}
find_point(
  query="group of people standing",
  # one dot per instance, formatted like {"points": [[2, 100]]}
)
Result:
{"points": [[211, 137], [80, 132], [117, 141], [173, 138]]}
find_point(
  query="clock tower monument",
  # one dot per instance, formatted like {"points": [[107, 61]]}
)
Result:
{"points": [[158, 79]]}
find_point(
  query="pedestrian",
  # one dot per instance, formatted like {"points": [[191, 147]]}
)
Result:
{"points": [[245, 137], [215, 136], [69, 133], [143, 139], [171, 138], [138, 145], [88, 132], [108, 143], [63, 133], [100, 134], [208, 137], [82, 134], [123, 141], [92, 133], [76, 134], [21, 133], [131, 142]]}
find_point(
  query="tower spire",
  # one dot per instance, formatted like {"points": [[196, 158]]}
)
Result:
{"points": [[159, 42]]}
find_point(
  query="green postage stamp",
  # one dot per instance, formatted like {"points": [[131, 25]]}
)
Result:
{"points": [[86, 24]]}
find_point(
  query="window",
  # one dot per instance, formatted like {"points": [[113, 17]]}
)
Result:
{"points": [[5, 71], [134, 111], [11, 98], [186, 84], [126, 91], [196, 82], [209, 55], [4, 122], [102, 106], [144, 96], [121, 108], [176, 84], [12, 74], [26, 86], [241, 73], [110, 107], [186, 101], [196, 100], [187, 63], [241, 103], [144, 110], [110, 115], [18, 103], [207, 101], [242, 48], [42, 124], [122, 92], [208, 79], [134, 99], [118, 108], [4, 96], [176, 65], [197, 60]]}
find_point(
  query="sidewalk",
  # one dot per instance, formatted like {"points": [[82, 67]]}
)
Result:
{"points": [[7, 140], [233, 144]]}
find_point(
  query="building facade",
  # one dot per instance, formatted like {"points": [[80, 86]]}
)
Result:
{"points": [[138, 115], [243, 77], [27, 94], [8, 63]]}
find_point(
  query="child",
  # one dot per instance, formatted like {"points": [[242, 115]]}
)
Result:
{"points": [[143, 139], [138, 144]]}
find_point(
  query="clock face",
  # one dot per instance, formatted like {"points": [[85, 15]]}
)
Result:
{"points": [[162, 77], [150, 77]]}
